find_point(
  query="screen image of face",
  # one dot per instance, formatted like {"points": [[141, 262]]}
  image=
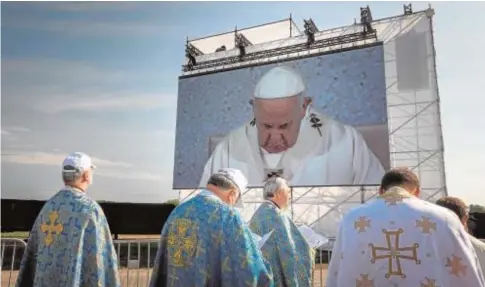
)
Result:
{"points": [[342, 104]]}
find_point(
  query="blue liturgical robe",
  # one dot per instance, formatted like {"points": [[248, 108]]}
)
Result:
{"points": [[206, 243], [69, 245], [290, 256]]}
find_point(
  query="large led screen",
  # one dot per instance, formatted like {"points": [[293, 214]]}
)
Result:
{"points": [[319, 121]]}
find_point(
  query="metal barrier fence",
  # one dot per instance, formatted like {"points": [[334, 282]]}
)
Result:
{"points": [[11, 256], [135, 258]]}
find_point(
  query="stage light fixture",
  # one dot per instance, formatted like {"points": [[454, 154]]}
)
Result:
{"points": [[241, 42], [408, 9], [190, 53], [310, 30], [366, 19]]}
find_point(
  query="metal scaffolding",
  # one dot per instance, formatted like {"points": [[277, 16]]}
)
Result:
{"points": [[413, 106]]}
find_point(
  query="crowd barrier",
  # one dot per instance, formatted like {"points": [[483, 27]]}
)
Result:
{"points": [[135, 258]]}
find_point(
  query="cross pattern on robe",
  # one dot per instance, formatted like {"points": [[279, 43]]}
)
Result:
{"points": [[429, 283], [394, 253], [245, 260], [362, 224], [189, 210], [173, 276], [214, 216], [182, 240], [51, 228], [273, 173], [394, 197], [206, 275], [455, 266], [426, 224], [225, 265], [316, 123], [364, 281]]}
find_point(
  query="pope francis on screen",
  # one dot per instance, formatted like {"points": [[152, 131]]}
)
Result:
{"points": [[288, 138]]}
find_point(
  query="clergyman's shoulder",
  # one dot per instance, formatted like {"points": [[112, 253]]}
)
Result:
{"points": [[438, 213], [361, 210]]}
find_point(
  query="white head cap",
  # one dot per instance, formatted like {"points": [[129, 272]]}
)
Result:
{"points": [[77, 160], [279, 82], [237, 178]]}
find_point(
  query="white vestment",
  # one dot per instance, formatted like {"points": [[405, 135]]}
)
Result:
{"points": [[339, 156], [401, 240]]}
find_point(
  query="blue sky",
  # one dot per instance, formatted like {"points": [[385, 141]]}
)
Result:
{"points": [[102, 78]]}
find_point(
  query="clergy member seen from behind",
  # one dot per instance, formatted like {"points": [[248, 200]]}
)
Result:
{"points": [[70, 243], [401, 240], [287, 137], [459, 207], [287, 251], [205, 241]]}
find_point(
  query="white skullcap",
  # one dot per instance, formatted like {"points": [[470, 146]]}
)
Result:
{"points": [[279, 82], [237, 178]]}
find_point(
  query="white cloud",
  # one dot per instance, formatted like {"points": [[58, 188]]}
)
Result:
{"points": [[81, 28], [17, 129], [52, 159], [55, 86], [106, 168], [87, 6], [105, 102], [11, 132], [52, 72], [138, 175]]}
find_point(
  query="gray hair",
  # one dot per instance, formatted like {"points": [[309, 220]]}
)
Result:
{"points": [[220, 181], [272, 186], [70, 173]]}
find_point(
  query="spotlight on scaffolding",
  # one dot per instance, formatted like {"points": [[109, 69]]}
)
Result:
{"points": [[310, 30], [366, 19], [190, 53], [408, 9], [241, 42]]}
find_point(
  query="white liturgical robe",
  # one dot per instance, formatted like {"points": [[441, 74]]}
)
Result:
{"points": [[401, 240], [326, 153]]}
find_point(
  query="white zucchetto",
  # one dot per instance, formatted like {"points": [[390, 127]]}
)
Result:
{"points": [[279, 82]]}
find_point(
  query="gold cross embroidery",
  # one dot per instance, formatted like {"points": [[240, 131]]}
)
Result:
{"points": [[214, 216], [362, 224], [429, 283], [206, 275], [225, 265], [51, 228], [455, 266], [173, 276], [426, 224], [364, 281], [394, 253], [189, 210], [182, 238], [393, 197], [217, 238]]}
